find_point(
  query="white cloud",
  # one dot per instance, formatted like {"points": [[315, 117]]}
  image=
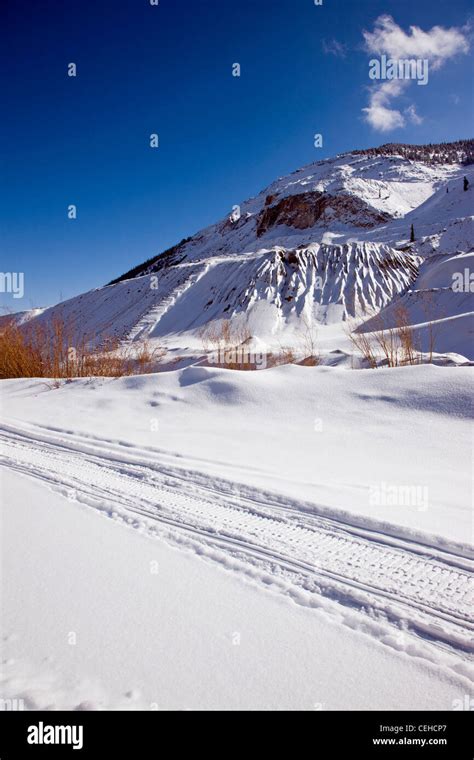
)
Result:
{"points": [[378, 114], [387, 38], [334, 47], [438, 45], [412, 114]]}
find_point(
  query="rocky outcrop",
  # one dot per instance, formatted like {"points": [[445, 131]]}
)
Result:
{"points": [[305, 210]]}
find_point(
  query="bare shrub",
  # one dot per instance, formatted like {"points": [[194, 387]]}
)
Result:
{"points": [[308, 336], [223, 333], [433, 316], [226, 339], [396, 344], [364, 343], [56, 350]]}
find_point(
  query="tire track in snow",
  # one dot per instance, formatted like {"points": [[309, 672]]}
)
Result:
{"points": [[433, 590]]}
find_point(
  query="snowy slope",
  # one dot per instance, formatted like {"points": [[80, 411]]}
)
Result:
{"points": [[294, 569], [280, 430], [327, 243], [349, 197], [438, 313], [190, 636]]}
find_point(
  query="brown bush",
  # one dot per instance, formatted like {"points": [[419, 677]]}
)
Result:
{"points": [[54, 350]]}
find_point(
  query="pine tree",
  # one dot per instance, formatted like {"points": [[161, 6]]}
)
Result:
{"points": [[412, 234]]}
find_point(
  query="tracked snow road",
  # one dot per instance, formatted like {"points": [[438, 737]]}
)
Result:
{"points": [[422, 588]]}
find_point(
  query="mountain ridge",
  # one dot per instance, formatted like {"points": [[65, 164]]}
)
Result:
{"points": [[431, 155]]}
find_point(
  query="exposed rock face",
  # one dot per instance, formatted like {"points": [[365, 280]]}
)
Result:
{"points": [[304, 210]]}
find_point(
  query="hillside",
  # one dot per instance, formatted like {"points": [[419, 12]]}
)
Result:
{"points": [[326, 244]]}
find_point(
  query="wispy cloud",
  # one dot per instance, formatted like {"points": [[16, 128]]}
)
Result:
{"points": [[413, 116], [334, 47], [435, 46]]}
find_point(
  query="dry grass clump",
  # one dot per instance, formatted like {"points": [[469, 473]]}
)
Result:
{"points": [[226, 344], [286, 355], [395, 346], [54, 350]]}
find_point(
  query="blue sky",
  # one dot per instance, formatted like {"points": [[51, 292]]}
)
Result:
{"points": [[143, 69]]}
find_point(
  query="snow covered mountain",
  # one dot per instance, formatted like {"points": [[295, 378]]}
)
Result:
{"points": [[329, 242], [306, 531]]}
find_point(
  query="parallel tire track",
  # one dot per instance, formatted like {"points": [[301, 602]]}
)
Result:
{"points": [[434, 590]]}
